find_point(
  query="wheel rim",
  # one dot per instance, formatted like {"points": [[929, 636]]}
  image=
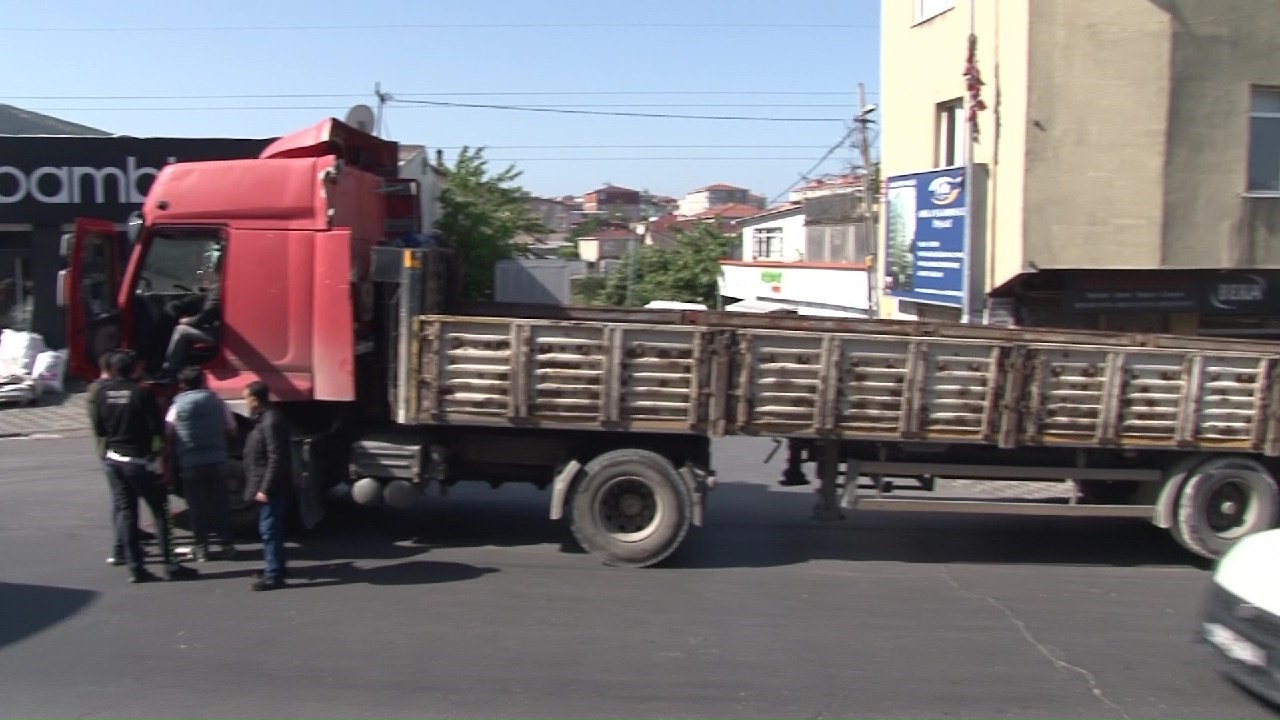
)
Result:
{"points": [[1230, 508], [628, 509]]}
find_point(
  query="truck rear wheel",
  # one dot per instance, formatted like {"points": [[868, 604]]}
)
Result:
{"points": [[630, 507], [1224, 500]]}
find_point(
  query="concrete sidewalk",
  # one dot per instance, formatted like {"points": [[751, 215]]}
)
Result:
{"points": [[52, 414]]}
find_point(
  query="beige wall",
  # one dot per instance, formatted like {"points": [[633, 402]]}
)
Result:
{"points": [[1219, 49], [1116, 133], [1099, 83]]}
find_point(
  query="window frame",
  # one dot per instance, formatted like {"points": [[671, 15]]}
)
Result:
{"points": [[772, 236], [949, 129], [1254, 92]]}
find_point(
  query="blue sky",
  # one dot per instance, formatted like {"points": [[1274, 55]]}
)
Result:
{"points": [[739, 56]]}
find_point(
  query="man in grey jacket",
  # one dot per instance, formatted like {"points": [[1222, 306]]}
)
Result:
{"points": [[268, 471], [199, 425]]}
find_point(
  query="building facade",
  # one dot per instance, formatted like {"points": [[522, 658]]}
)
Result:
{"points": [[1124, 173], [713, 196], [787, 262], [612, 201]]}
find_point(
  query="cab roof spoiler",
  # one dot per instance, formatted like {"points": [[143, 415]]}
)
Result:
{"points": [[334, 137]]}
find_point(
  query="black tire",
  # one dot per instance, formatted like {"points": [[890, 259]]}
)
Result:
{"points": [[1222, 501], [630, 507]]}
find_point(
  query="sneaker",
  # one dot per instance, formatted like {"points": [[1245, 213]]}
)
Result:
{"points": [[179, 572], [264, 584], [142, 576], [228, 553], [116, 560], [200, 554]]}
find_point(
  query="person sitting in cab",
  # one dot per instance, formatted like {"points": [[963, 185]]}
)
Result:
{"points": [[199, 317]]}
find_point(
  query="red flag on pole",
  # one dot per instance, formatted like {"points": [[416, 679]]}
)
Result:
{"points": [[973, 84]]}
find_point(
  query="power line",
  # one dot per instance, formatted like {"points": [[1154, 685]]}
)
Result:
{"points": [[447, 26], [565, 111], [646, 159], [825, 156], [637, 147], [468, 93], [424, 104]]}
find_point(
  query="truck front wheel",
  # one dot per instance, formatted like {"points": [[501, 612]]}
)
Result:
{"points": [[1224, 500], [631, 508]]}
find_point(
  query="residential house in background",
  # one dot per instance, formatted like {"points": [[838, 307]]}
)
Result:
{"points": [[555, 215], [806, 257], [712, 196], [612, 201], [606, 244], [653, 206], [415, 164], [1137, 186]]}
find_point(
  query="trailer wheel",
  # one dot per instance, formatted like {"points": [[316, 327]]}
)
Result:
{"points": [[1224, 500], [630, 507]]}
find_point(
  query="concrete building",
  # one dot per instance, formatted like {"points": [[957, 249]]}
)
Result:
{"points": [[713, 196], [607, 244], [1126, 169], [787, 263], [612, 201]]}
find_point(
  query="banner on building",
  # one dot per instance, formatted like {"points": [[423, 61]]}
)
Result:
{"points": [[926, 217], [48, 180]]}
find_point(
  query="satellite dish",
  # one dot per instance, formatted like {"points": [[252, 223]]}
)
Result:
{"points": [[360, 117]]}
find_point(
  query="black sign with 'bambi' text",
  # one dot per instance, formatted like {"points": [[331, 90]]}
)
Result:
{"points": [[48, 180]]}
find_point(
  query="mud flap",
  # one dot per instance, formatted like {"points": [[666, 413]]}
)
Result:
{"points": [[306, 484]]}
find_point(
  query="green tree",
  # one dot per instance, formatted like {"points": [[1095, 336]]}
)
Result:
{"points": [[688, 272], [481, 215]]}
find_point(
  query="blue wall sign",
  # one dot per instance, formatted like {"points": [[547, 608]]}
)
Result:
{"points": [[925, 259]]}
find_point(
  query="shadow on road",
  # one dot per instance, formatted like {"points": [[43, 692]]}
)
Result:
{"points": [[748, 525], [29, 609], [412, 572], [756, 526]]}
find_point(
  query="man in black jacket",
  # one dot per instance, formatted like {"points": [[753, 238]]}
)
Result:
{"points": [[268, 470], [127, 417]]}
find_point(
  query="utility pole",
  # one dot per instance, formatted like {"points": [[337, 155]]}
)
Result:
{"points": [[382, 103], [870, 236]]}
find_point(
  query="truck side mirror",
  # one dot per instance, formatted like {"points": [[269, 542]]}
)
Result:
{"points": [[61, 289], [133, 229], [64, 248]]}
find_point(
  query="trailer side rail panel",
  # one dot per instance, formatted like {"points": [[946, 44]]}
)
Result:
{"points": [[689, 378]]}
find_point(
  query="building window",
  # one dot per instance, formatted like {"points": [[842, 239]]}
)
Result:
{"points": [[951, 122], [836, 244], [926, 9], [17, 299], [767, 243], [1264, 141]]}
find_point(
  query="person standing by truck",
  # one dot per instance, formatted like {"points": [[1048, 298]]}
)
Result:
{"points": [[199, 426], [127, 416], [268, 469]]}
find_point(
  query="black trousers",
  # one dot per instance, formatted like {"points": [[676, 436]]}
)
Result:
{"points": [[129, 483], [205, 489]]}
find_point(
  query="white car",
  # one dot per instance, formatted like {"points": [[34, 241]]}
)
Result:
{"points": [[1241, 619]]}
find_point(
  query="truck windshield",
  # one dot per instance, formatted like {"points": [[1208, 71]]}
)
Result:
{"points": [[180, 261]]}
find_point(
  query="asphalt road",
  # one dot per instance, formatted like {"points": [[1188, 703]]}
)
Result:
{"points": [[472, 606]]}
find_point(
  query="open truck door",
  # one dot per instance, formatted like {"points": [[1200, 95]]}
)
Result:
{"points": [[88, 289]]}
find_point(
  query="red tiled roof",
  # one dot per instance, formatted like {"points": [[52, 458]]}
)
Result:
{"points": [[732, 211], [719, 186]]}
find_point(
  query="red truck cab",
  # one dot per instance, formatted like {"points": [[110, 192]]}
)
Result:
{"points": [[287, 236]]}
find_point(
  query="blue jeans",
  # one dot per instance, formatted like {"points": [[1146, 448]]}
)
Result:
{"points": [[271, 527]]}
